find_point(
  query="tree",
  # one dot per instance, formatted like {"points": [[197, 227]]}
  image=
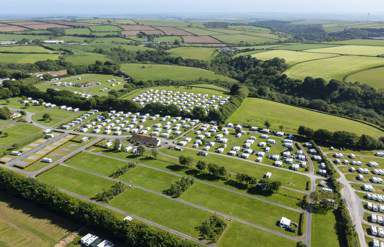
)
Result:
{"points": [[199, 113], [154, 153], [117, 145], [5, 113], [46, 117], [267, 124], [140, 150], [201, 165], [185, 161], [305, 131], [212, 228]]}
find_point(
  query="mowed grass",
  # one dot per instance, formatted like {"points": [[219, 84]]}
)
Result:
{"points": [[333, 68], [291, 57], [152, 72], [373, 77], [24, 49], [23, 224], [289, 179], [324, 230], [237, 234], [256, 111], [200, 53], [19, 134], [85, 58], [161, 210], [352, 50], [93, 162], [75, 181], [26, 58]]}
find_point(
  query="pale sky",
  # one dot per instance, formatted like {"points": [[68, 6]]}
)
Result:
{"points": [[120, 7]]}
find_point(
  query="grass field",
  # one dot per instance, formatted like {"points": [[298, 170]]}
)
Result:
{"points": [[104, 28], [373, 42], [23, 224], [19, 134], [95, 89], [238, 234], [152, 72], [85, 58], [352, 50], [24, 49], [195, 88], [302, 46], [333, 68], [323, 230], [167, 39], [73, 180], [26, 58], [77, 31], [256, 111], [200, 53], [291, 57], [373, 77]]}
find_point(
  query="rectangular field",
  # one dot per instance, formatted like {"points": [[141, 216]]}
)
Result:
{"points": [[373, 77], [352, 50], [26, 58], [291, 57], [200, 53], [202, 39], [256, 111], [24, 49]]}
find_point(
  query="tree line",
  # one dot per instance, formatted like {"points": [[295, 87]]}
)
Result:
{"points": [[45, 196], [342, 139]]}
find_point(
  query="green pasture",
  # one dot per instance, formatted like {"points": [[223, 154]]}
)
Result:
{"points": [[373, 77], [152, 72], [18, 134], [358, 50], [24, 49], [373, 42], [291, 57], [85, 58], [200, 53], [324, 230], [333, 68], [256, 111], [26, 58], [77, 31], [105, 28]]}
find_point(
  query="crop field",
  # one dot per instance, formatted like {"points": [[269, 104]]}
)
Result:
{"points": [[202, 39], [23, 224], [352, 50], [26, 58], [24, 49], [199, 53], [302, 46], [373, 77], [85, 58], [256, 111], [333, 68], [97, 84], [10, 28], [291, 57], [168, 39], [152, 72]]}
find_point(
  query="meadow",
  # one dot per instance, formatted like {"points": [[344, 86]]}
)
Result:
{"points": [[200, 53], [152, 72], [373, 42], [85, 58], [291, 57], [77, 31], [104, 28], [324, 230], [358, 50], [23, 224], [257, 111], [333, 68], [373, 77], [26, 58], [24, 49]]}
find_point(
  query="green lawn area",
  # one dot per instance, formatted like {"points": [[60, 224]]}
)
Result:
{"points": [[323, 230], [291, 57], [152, 72], [333, 68], [238, 234], [289, 179], [255, 111], [161, 210], [352, 50], [19, 134], [200, 53], [92, 162], [26, 58], [373, 77], [75, 181], [85, 58], [104, 28], [245, 208], [24, 49], [77, 31], [24, 224], [94, 89]]}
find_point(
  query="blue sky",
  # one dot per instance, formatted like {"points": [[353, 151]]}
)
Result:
{"points": [[106, 7]]}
